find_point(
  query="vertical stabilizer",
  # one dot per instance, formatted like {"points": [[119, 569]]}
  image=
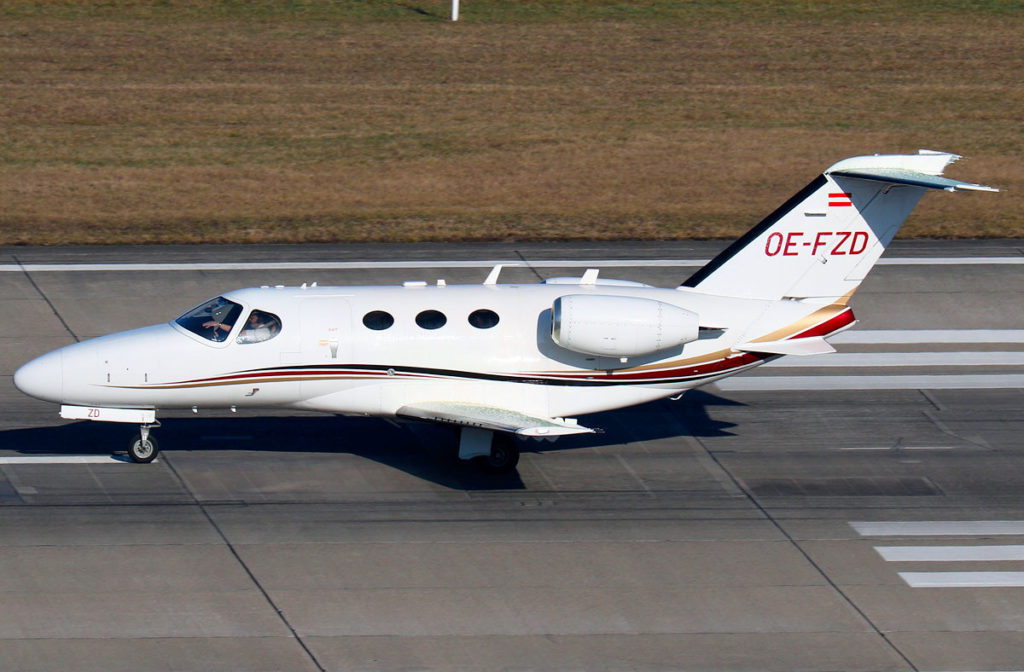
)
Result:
{"points": [[822, 242]]}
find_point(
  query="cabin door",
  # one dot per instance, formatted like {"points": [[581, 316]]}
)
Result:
{"points": [[326, 345]]}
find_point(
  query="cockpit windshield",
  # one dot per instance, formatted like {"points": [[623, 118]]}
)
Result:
{"points": [[213, 320], [259, 326]]}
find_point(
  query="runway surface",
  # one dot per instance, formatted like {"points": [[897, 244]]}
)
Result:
{"points": [[862, 511]]}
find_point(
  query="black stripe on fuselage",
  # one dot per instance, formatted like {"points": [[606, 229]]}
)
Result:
{"points": [[598, 379], [747, 238]]}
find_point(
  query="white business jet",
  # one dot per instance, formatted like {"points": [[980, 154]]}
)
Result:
{"points": [[501, 361]]}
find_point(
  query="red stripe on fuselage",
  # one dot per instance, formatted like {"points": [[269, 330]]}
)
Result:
{"points": [[675, 373], [694, 370], [829, 326]]}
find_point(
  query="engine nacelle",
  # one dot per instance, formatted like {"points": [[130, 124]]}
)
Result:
{"points": [[620, 326]]}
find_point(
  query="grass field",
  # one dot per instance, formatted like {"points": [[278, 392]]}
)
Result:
{"points": [[201, 121]]}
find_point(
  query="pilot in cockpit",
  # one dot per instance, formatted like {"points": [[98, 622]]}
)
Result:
{"points": [[259, 327]]}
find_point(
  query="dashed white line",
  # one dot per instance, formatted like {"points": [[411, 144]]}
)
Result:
{"points": [[900, 359], [962, 553], [963, 579], [950, 261], [895, 447], [938, 528], [915, 336], [351, 265], [64, 459], [951, 553], [488, 263]]}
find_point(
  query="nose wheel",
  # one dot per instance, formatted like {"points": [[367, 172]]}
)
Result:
{"points": [[143, 448]]}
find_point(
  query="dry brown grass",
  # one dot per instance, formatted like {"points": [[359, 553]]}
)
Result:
{"points": [[158, 129]]}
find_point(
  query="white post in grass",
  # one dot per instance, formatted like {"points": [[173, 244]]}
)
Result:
{"points": [[455, 10]]}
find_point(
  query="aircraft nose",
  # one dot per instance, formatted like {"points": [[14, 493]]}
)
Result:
{"points": [[43, 377]]}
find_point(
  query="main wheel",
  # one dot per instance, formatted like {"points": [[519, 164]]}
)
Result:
{"points": [[142, 450], [504, 454]]}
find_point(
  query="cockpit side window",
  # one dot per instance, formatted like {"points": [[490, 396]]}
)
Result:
{"points": [[259, 326], [213, 320]]}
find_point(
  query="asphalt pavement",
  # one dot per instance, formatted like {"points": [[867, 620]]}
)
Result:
{"points": [[863, 512]]}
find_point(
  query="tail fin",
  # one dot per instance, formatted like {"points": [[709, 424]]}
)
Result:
{"points": [[823, 241]]}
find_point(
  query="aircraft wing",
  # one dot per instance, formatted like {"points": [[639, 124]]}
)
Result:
{"points": [[491, 417]]}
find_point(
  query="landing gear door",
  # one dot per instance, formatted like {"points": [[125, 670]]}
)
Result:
{"points": [[326, 323]]}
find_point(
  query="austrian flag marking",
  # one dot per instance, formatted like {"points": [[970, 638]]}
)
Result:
{"points": [[839, 200]]}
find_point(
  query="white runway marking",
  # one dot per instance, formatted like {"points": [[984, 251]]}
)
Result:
{"points": [[354, 265], [964, 553], [65, 459], [896, 448], [938, 528], [899, 359], [963, 579], [914, 336], [925, 382], [950, 261], [951, 553], [517, 263]]}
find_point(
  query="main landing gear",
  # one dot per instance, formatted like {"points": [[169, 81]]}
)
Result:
{"points": [[504, 455], [143, 448], [496, 452]]}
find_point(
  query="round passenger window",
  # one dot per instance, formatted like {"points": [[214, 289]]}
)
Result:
{"points": [[483, 318], [378, 320], [431, 319]]}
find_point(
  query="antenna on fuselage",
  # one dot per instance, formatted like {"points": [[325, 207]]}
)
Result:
{"points": [[492, 277]]}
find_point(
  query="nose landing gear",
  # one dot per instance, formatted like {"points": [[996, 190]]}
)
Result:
{"points": [[143, 448]]}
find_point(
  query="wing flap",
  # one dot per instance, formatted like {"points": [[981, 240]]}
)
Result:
{"points": [[491, 417]]}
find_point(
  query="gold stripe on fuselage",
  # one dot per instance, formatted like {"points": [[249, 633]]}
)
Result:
{"points": [[817, 317]]}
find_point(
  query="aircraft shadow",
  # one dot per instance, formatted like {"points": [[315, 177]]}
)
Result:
{"points": [[424, 450], [659, 419]]}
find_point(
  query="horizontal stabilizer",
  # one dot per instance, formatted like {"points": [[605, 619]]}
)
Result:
{"points": [[490, 417], [897, 176], [813, 345]]}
